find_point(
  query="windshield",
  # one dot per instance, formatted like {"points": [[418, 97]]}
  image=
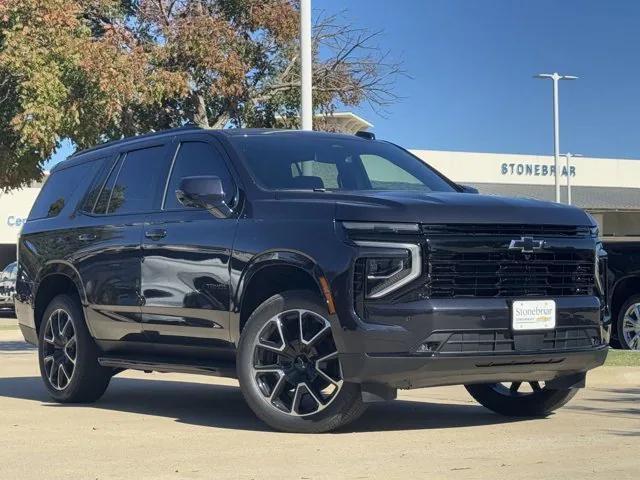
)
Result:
{"points": [[295, 162]]}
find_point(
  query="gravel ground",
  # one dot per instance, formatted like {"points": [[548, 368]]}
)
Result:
{"points": [[171, 426]]}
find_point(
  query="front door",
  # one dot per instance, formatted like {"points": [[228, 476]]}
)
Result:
{"points": [[185, 257]]}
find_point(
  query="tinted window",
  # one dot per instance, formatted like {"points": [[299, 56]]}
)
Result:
{"points": [[134, 190], [196, 159], [293, 161], [104, 192], [326, 172], [59, 188], [386, 175], [96, 187]]}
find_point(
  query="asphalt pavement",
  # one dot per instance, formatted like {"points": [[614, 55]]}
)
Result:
{"points": [[173, 426]]}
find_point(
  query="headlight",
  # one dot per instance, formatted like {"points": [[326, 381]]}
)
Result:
{"points": [[389, 266]]}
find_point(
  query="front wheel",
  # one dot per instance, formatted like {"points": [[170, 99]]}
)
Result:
{"points": [[520, 399], [289, 369]]}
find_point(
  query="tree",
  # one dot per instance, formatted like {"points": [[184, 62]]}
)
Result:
{"points": [[96, 70]]}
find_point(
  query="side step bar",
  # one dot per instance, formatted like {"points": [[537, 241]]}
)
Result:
{"points": [[164, 366]]}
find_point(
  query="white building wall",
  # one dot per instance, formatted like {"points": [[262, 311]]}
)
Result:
{"points": [[14, 209], [469, 167]]}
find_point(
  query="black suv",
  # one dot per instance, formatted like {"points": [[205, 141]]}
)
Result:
{"points": [[323, 271]]}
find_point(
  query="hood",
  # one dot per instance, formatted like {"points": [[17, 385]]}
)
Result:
{"points": [[454, 207]]}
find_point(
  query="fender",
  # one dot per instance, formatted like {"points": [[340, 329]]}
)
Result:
{"points": [[615, 284], [60, 267], [271, 258]]}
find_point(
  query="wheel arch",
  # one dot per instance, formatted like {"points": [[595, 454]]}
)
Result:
{"points": [[56, 278], [273, 272], [622, 290]]}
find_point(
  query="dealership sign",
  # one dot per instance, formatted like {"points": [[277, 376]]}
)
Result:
{"points": [[534, 169], [15, 221]]}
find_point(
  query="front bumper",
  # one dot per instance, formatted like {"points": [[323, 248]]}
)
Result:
{"points": [[462, 341], [416, 371]]}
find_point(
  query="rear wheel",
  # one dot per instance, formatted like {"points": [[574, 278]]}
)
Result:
{"points": [[68, 355], [289, 369], [520, 399]]}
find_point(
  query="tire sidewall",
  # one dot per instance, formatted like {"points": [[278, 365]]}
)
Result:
{"points": [[85, 349], [327, 419], [538, 404], [620, 320]]}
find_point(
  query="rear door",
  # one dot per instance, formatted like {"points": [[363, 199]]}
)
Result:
{"points": [[110, 233], [186, 254]]}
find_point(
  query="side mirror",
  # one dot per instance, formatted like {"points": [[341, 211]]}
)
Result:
{"points": [[469, 189], [204, 192]]}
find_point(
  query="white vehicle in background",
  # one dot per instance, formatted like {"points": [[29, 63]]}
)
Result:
{"points": [[8, 287]]}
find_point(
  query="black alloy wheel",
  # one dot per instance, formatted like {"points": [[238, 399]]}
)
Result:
{"points": [[59, 349], [289, 368], [296, 365], [68, 355]]}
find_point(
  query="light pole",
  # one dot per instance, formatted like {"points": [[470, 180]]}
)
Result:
{"points": [[306, 59], [569, 155], [556, 77]]}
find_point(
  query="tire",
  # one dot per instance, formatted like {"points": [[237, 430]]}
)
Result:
{"points": [[539, 402], [290, 397], [628, 324], [80, 379]]}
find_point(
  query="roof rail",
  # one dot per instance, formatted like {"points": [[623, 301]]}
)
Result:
{"points": [[366, 135], [186, 126]]}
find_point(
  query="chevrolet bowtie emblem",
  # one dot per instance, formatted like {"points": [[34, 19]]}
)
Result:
{"points": [[526, 245]]}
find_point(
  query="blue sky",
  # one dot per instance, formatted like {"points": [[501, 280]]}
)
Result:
{"points": [[471, 64]]}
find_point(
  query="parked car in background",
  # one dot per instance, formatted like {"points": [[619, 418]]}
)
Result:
{"points": [[8, 287], [323, 271], [624, 287]]}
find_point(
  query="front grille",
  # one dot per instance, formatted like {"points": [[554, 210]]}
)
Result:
{"points": [[508, 274], [490, 341], [513, 230], [476, 261]]}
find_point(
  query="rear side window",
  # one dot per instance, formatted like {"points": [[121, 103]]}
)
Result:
{"points": [[137, 181], [59, 188], [105, 192], [197, 159]]}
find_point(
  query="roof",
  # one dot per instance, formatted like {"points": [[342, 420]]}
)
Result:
{"points": [[592, 198], [241, 132], [144, 136], [81, 156]]}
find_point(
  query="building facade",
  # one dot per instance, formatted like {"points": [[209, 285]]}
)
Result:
{"points": [[607, 188]]}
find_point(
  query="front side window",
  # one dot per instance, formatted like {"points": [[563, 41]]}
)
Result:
{"points": [[136, 184], [305, 162], [197, 159]]}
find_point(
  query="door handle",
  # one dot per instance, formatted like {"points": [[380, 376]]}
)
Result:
{"points": [[155, 234], [86, 237]]}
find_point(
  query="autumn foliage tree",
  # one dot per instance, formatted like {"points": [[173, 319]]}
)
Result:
{"points": [[95, 70]]}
